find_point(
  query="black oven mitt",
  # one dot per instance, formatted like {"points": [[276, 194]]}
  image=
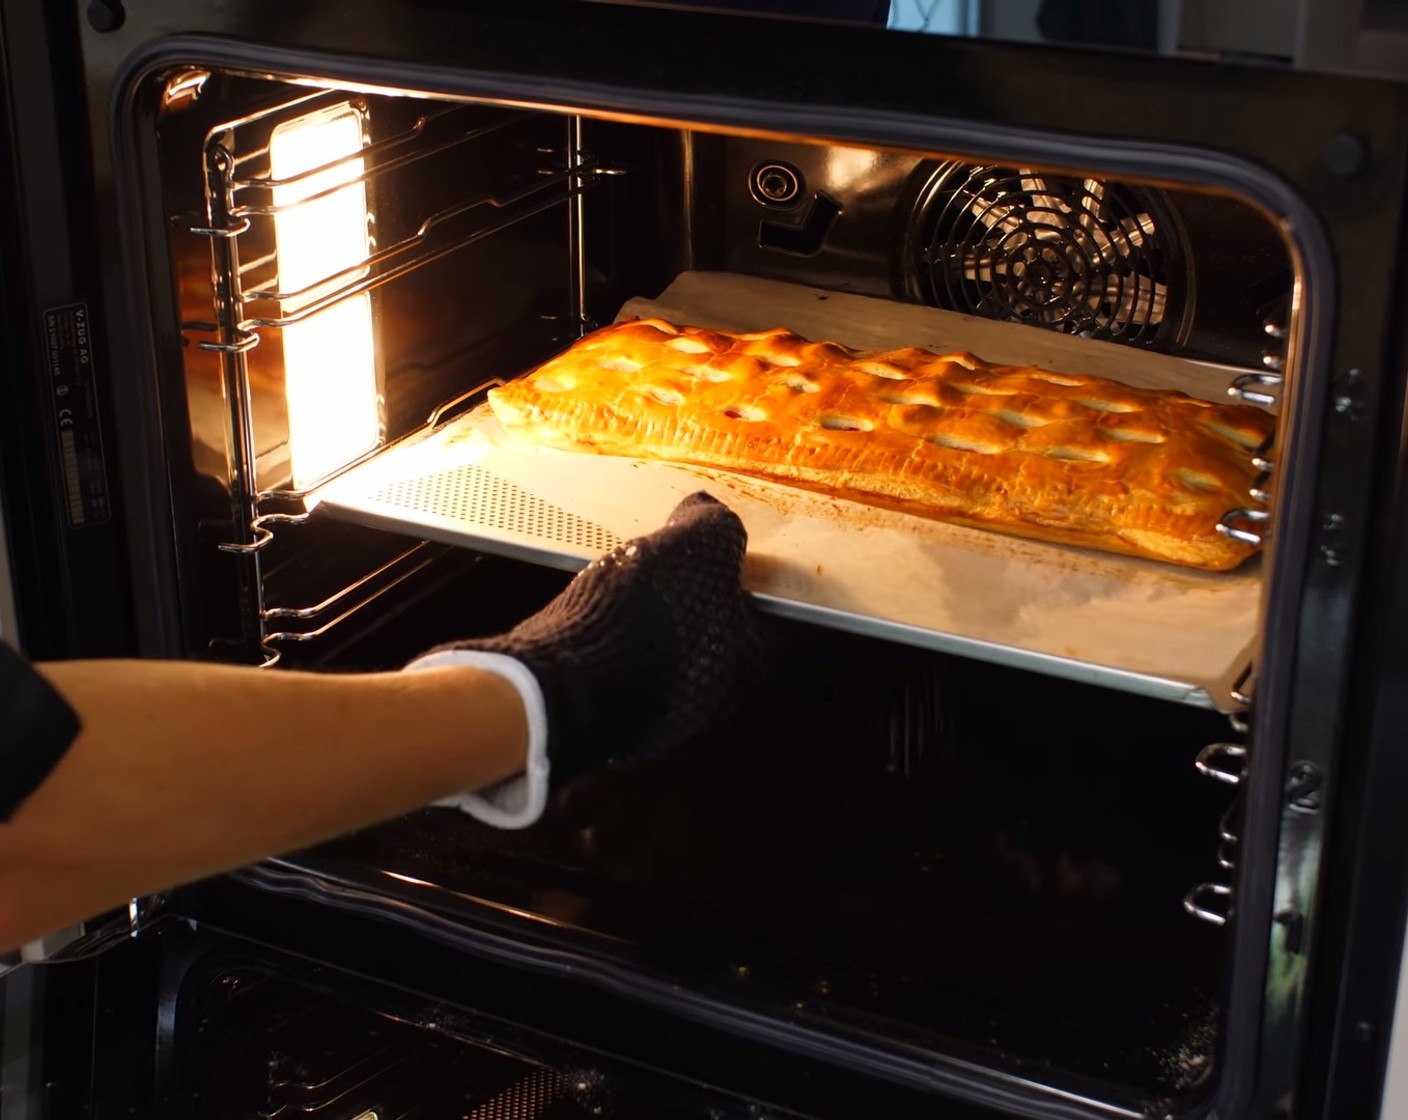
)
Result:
{"points": [[650, 645]]}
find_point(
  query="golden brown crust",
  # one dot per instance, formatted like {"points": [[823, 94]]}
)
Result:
{"points": [[1055, 456]]}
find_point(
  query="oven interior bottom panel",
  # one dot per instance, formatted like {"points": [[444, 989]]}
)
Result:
{"points": [[264, 1038], [969, 860]]}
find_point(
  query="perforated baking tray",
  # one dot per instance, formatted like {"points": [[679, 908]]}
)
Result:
{"points": [[1129, 624]]}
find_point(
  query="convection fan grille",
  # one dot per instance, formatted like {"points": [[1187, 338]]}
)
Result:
{"points": [[1086, 256]]}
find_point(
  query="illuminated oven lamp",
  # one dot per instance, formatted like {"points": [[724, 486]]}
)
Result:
{"points": [[334, 407]]}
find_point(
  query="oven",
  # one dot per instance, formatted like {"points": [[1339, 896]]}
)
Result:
{"points": [[1024, 830]]}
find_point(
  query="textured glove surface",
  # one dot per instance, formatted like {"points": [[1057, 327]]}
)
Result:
{"points": [[648, 646]]}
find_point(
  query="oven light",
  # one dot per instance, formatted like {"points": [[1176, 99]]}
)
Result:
{"points": [[334, 411]]}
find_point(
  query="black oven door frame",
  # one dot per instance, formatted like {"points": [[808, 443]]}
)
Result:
{"points": [[1120, 108], [58, 466], [1354, 998]]}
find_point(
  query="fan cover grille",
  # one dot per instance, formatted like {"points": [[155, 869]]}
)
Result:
{"points": [[1086, 256]]}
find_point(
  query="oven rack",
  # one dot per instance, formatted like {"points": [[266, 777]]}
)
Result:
{"points": [[432, 133], [1252, 523], [421, 248], [1126, 624], [1227, 762], [249, 302], [1180, 636], [305, 624], [273, 626], [1263, 388], [248, 291]]}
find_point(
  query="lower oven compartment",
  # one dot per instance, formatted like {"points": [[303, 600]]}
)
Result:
{"points": [[950, 858], [258, 1034]]}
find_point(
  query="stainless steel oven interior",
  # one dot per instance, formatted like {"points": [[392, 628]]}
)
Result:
{"points": [[941, 845]]}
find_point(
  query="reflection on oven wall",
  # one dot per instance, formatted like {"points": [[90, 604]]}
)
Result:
{"points": [[1266, 28], [1126, 23], [1329, 35], [1120, 23], [937, 17]]}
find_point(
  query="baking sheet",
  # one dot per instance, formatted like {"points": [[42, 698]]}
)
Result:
{"points": [[1135, 625], [729, 301]]}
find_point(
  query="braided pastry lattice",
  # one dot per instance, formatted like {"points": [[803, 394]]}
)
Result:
{"points": [[1061, 457]]}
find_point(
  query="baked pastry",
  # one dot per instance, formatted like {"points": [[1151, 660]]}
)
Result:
{"points": [[1055, 456]]}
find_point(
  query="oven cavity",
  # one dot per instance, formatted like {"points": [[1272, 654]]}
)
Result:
{"points": [[999, 777]]}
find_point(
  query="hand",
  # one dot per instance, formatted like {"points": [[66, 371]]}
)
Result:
{"points": [[652, 644]]}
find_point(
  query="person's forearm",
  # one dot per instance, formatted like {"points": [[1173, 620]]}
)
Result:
{"points": [[185, 769]]}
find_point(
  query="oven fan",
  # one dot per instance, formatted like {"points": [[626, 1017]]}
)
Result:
{"points": [[1080, 255]]}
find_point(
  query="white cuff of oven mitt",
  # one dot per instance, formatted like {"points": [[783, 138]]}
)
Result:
{"points": [[519, 801]]}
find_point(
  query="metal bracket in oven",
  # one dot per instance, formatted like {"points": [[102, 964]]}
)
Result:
{"points": [[1242, 690], [1224, 762], [1212, 902], [1227, 837], [1226, 855], [1260, 490], [1251, 387], [1226, 833], [1235, 524]]}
